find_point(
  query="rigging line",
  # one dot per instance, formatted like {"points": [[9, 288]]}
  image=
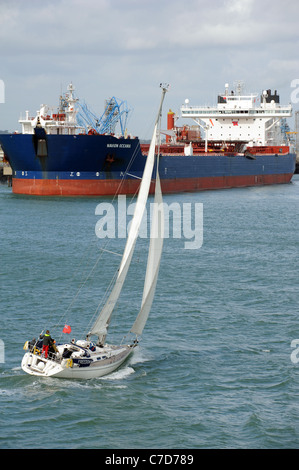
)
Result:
{"points": [[104, 297], [137, 148], [89, 251], [102, 301], [83, 283], [81, 287], [97, 261], [86, 257], [159, 141], [66, 290], [112, 252], [125, 173], [116, 194], [83, 279], [134, 176]]}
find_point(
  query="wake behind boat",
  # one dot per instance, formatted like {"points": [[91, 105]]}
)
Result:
{"points": [[88, 359]]}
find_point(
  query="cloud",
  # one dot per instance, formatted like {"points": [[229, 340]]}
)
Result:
{"points": [[106, 26], [240, 7], [126, 48]]}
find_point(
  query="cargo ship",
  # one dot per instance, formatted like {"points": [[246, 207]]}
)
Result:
{"points": [[240, 141]]}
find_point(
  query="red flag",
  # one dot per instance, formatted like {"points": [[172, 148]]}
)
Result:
{"points": [[66, 329]]}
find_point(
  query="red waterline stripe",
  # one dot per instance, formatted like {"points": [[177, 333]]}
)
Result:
{"points": [[40, 187]]}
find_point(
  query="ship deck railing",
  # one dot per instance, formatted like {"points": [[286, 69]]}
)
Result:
{"points": [[210, 112]]}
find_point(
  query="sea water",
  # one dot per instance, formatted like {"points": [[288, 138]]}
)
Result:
{"points": [[217, 364]]}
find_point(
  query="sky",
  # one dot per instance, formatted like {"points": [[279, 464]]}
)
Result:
{"points": [[126, 48]]}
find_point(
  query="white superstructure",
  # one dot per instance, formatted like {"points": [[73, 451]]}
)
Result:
{"points": [[62, 122], [239, 117]]}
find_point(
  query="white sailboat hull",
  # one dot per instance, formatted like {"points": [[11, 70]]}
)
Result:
{"points": [[100, 363]]}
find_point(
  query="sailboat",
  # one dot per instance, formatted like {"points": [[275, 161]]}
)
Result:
{"points": [[91, 359]]}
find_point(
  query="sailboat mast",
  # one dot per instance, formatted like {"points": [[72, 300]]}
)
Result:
{"points": [[101, 324], [159, 115], [155, 248]]}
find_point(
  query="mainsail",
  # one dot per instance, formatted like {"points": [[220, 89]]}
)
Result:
{"points": [[153, 263], [101, 324]]}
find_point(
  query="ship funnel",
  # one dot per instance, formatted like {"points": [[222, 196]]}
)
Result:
{"points": [[170, 123]]}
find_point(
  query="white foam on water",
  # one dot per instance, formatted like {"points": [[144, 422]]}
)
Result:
{"points": [[120, 374], [139, 356]]}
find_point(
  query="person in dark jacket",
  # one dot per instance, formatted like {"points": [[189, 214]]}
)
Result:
{"points": [[47, 342], [31, 344]]}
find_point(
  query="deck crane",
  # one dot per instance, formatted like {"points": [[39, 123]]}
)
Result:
{"points": [[115, 112]]}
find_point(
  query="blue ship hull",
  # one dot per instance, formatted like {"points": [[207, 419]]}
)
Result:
{"points": [[98, 165]]}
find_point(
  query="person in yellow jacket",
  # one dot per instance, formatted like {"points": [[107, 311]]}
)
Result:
{"points": [[47, 342]]}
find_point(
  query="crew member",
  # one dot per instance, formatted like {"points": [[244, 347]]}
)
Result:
{"points": [[47, 342]]}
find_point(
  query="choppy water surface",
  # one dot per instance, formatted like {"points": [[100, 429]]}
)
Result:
{"points": [[214, 367]]}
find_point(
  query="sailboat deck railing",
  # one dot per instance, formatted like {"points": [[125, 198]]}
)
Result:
{"points": [[34, 349]]}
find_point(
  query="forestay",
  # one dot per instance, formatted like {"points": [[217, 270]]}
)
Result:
{"points": [[153, 263], [101, 324]]}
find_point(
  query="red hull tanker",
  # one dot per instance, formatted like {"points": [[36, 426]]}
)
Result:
{"points": [[239, 142]]}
